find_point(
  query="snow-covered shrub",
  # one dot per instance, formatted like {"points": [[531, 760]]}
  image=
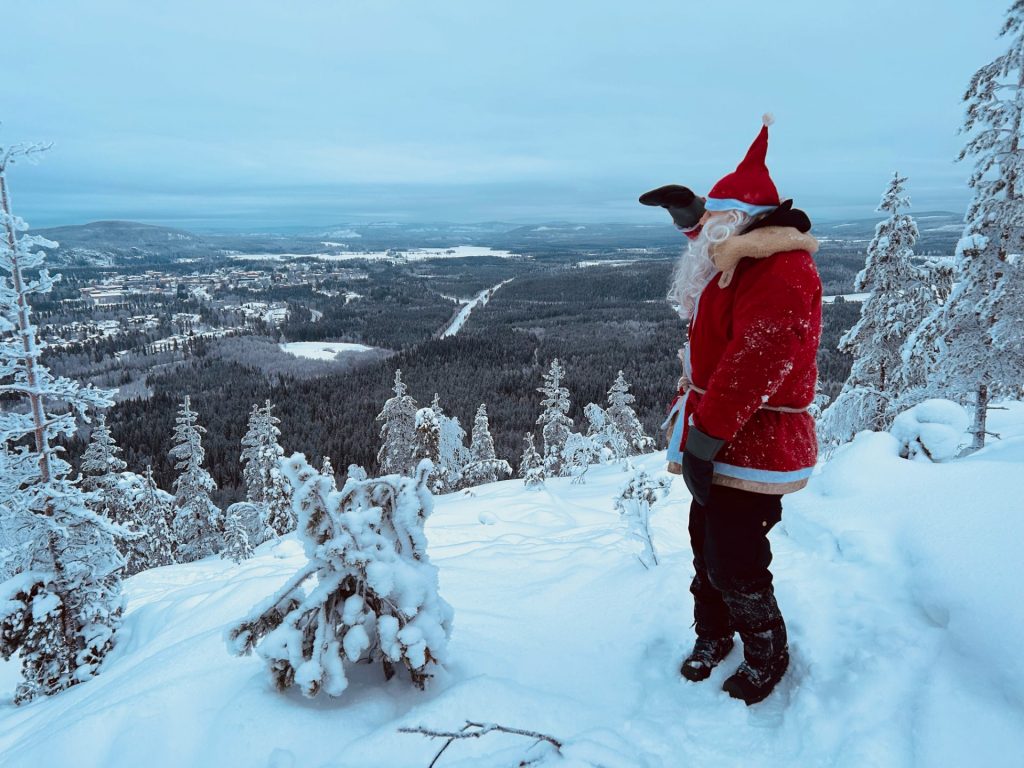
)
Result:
{"points": [[609, 443], [634, 504], [932, 430], [368, 593], [578, 454], [152, 544]]}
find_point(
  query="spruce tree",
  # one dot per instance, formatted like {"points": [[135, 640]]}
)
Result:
{"points": [[397, 431], [151, 516], [622, 416], [198, 523], [901, 295], [265, 485], [62, 606], [327, 470], [374, 595], [483, 466], [973, 345], [531, 466], [554, 420]]}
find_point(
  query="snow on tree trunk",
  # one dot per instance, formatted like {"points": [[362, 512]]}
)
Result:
{"points": [[973, 345], [368, 592], [397, 431], [198, 523], [61, 608], [634, 504]]}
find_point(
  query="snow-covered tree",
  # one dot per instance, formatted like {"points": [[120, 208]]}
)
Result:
{"points": [[578, 453], [442, 440], [397, 431], [236, 534], [554, 420], [372, 592], [484, 466], [531, 466], [198, 523], [608, 442], [103, 469], [634, 504], [60, 610], [327, 470], [973, 345], [152, 545], [901, 294], [622, 416], [264, 484]]}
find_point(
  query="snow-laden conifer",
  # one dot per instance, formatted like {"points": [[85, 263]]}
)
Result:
{"points": [[531, 465], [578, 453], [442, 440], [237, 545], [622, 416], [152, 546], [608, 441], [60, 609], [264, 484], [397, 431], [901, 294], [327, 470], [198, 523], [554, 420], [484, 466], [973, 345], [634, 504], [368, 592]]}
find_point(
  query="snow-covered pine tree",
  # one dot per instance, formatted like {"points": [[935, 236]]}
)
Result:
{"points": [[151, 517], [483, 466], [554, 420], [442, 440], [609, 443], [373, 595], [60, 610], [531, 466], [100, 460], [236, 536], [623, 417], [264, 484], [634, 504], [973, 345], [198, 523], [327, 470], [397, 431], [901, 295]]}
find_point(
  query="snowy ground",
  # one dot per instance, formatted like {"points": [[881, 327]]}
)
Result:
{"points": [[900, 582], [463, 315], [322, 350]]}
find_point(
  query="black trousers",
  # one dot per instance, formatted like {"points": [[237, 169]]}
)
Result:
{"points": [[731, 552]]}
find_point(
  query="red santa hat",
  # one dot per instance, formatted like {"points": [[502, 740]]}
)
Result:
{"points": [[750, 187]]}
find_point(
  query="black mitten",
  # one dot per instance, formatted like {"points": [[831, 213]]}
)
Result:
{"points": [[685, 208], [698, 463]]}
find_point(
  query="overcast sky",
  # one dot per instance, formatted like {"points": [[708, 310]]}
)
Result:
{"points": [[260, 114]]}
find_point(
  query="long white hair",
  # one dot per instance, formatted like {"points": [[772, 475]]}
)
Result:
{"points": [[695, 267]]}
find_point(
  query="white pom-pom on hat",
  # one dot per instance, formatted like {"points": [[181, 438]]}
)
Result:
{"points": [[767, 118]]}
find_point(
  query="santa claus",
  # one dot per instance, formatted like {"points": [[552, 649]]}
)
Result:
{"points": [[741, 433]]}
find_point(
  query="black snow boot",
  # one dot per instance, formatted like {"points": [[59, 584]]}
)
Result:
{"points": [[757, 617], [706, 655]]}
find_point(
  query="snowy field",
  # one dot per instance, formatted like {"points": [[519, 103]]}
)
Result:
{"points": [[394, 255], [900, 582], [845, 297], [322, 350]]}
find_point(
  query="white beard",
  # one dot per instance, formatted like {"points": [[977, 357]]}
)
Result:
{"points": [[695, 267]]}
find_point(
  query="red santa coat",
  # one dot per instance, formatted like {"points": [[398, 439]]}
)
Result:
{"points": [[754, 343]]}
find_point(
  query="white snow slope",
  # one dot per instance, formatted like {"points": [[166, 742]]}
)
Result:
{"points": [[900, 582]]}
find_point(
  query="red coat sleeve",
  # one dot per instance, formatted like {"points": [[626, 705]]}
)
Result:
{"points": [[772, 323]]}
